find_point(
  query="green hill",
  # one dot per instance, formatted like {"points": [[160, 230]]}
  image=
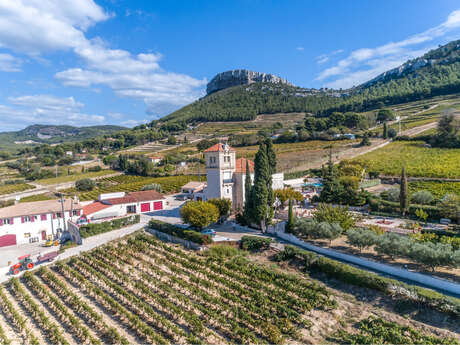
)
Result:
{"points": [[435, 73], [40, 134]]}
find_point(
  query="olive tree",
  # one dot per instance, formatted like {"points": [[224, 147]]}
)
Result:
{"points": [[361, 238]]}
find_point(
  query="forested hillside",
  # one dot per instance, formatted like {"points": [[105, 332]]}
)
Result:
{"points": [[435, 73]]}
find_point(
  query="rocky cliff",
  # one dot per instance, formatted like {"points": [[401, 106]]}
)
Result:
{"points": [[241, 77]]}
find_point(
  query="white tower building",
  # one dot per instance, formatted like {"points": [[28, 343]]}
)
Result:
{"points": [[220, 167]]}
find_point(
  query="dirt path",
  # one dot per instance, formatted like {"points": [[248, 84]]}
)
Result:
{"points": [[14, 337]]}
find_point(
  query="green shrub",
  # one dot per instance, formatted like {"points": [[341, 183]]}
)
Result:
{"points": [[222, 251], [180, 232], [85, 185], [255, 243], [99, 228]]}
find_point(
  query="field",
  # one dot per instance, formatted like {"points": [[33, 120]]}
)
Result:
{"points": [[14, 188], [292, 155], [74, 177], [438, 189], [141, 290], [420, 161], [130, 183]]}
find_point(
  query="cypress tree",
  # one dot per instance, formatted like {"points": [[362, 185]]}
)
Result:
{"points": [[385, 130], [291, 218], [404, 192], [247, 182], [259, 193], [248, 205], [271, 157]]}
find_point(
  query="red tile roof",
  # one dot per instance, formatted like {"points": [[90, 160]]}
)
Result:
{"points": [[241, 165], [219, 147], [94, 207], [146, 195], [133, 197]]}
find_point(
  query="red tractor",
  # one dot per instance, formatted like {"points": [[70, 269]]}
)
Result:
{"points": [[25, 263]]}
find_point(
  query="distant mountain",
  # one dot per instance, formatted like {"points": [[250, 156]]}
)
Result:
{"points": [[237, 77], [39, 134], [241, 95]]}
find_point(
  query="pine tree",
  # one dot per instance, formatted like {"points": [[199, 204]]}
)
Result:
{"points": [[404, 192], [291, 218], [385, 131], [332, 190]]}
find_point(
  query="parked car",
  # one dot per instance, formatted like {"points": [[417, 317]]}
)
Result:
{"points": [[82, 221], [211, 232]]}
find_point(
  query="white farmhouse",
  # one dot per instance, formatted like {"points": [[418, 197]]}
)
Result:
{"points": [[226, 175], [35, 221]]}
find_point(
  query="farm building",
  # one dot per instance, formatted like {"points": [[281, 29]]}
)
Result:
{"points": [[121, 204], [193, 187], [155, 159], [35, 221]]}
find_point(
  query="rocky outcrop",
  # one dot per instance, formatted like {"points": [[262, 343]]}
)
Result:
{"points": [[241, 77]]}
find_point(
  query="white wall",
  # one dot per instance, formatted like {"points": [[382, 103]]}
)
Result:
{"points": [[35, 228]]}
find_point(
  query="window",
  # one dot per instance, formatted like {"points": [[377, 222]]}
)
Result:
{"points": [[227, 159], [27, 219], [43, 217], [59, 214], [228, 191], [6, 221], [76, 212]]}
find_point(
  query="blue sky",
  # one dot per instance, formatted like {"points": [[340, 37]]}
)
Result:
{"points": [[87, 62]]}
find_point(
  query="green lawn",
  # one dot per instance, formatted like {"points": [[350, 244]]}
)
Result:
{"points": [[419, 160]]}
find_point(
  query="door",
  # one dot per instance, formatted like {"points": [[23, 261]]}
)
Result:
{"points": [[7, 240], [158, 205], [43, 235], [145, 207]]}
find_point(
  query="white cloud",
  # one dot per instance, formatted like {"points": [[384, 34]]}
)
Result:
{"points": [[301, 49], [39, 26], [9, 63], [321, 59], [45, 109], [366, 63]]}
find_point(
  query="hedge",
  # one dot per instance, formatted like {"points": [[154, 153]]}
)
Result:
{"points": [[390, 207], [359, 277], [99, 228], [174, 230], [255, 243]]}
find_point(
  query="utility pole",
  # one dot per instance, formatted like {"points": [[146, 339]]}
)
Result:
{"points": [[63, 211]]}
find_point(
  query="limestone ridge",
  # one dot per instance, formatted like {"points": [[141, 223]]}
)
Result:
{"points": [[241, 77]]}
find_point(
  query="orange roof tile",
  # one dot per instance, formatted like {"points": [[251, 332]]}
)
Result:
{"points": [[94, 207], [219, 147], [241, 165]]}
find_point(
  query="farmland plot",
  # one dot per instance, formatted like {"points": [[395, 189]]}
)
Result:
{"points": [[420, 161], [141, 290]]}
